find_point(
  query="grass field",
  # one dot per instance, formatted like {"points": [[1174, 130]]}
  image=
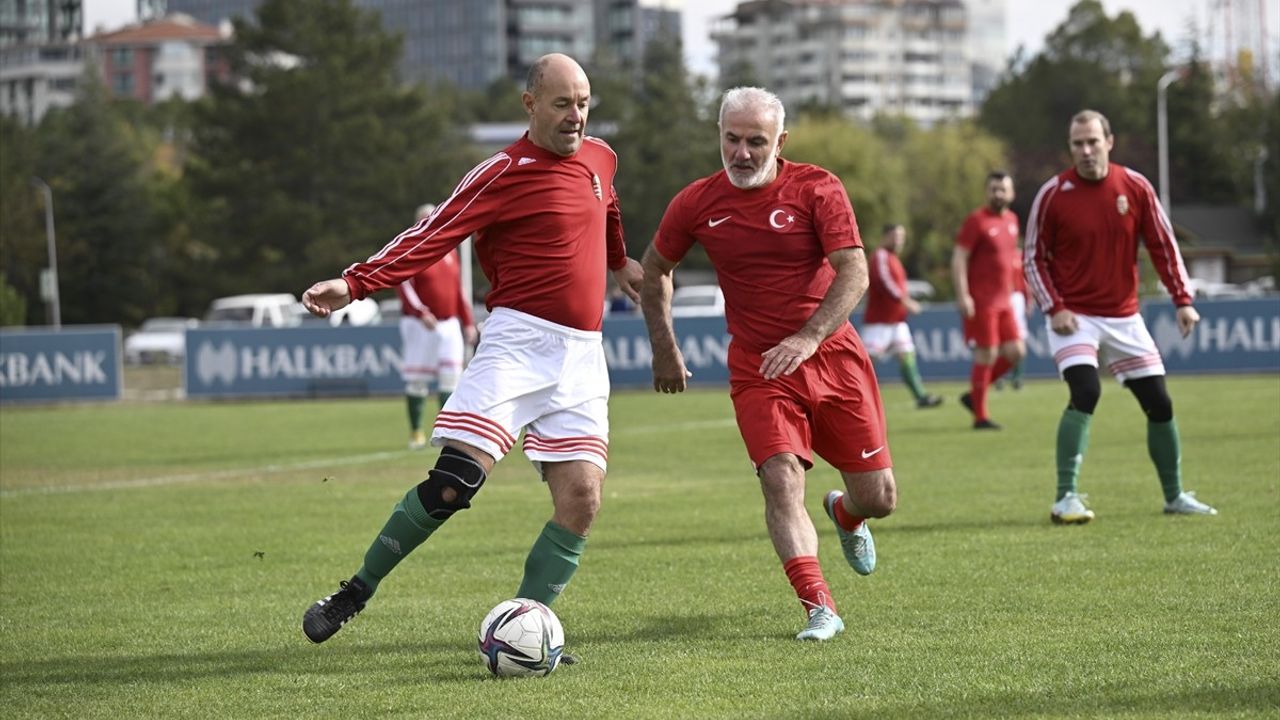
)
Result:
{"points": [[155, 561]]}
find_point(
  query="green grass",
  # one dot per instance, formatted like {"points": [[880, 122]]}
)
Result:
{"points": [[131, 583]]}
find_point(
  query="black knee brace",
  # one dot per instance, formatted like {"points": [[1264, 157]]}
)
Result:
{"points": [[1085, 388], [454, 470], [1153, 397]]}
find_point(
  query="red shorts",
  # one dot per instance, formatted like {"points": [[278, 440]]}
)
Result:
{"points": [[990, 328], [829, 406]]}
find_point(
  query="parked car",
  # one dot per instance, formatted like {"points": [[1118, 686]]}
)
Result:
{"points": [[359, 312], [159, 339], [258, 310], [697, 301]]}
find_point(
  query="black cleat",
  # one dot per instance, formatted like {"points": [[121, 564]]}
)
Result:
{"points": [[986, 425], [328, 616], [929, 401], [967, 401]]}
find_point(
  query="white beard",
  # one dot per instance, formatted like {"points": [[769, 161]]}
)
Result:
{"points": [[758, 178]]}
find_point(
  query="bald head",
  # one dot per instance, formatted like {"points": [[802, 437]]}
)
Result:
{"points": [[557, 98]]}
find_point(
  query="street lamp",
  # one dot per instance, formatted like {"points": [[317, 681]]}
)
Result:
{"points": [[1162, 133], [55, 302]]}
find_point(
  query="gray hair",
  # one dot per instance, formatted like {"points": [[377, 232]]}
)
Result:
{"points": [[1087, 116], [753, 98]]}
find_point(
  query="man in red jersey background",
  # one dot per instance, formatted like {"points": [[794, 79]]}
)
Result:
{"points": [[884, 322], [784, 242], [435, 328], [546, 224], [982, 266], [1081, 266]]}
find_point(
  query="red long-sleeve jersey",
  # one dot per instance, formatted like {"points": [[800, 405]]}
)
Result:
{"points": [[437, 290], [886, 289], [546, 227], [1081, 249]]}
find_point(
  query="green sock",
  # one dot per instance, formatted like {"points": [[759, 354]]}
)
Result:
{"points": [[444, 398], [1015, 375], [1073, 438], [551, 563], [911, 374], [415, 411], [406, 529], [1165, 448]]}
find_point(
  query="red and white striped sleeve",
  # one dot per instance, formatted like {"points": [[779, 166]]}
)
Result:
{"points": [[884, 270], [409, 297], [1157, 235], [472, 206], [1037, 246]]}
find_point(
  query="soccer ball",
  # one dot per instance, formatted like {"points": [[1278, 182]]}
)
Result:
{"points": [[521, 638]]}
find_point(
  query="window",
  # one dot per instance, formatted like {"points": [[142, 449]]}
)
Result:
{"points": [[122, 57], [122, 84]]}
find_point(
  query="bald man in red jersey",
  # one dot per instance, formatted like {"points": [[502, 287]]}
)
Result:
{"points": [[547, 227], [785, 245]]}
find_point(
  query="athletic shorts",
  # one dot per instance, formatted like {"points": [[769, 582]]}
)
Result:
{"points": [[829, 406], [431, 354], [535, 376], [1018, 303], [882, 339], [1122, 344], [991, 328]]}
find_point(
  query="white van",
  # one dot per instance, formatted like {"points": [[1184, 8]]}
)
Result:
{"points": [[258, 310]]}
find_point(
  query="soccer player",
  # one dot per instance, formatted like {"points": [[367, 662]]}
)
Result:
{"points": [[982, 266], [1018, 301], [435, 327], [784, 242], [1081, 267], [884, 323], [546, 224]]}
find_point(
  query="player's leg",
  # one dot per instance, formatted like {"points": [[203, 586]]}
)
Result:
{"points": [[449, 357], [1011, 348], [905, 348], [1076, 356], [414, 369], [981, 332], [552, 561]]}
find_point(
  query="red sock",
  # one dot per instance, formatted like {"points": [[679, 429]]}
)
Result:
{"points": [[805, 575], [999, 369], [979, 379], [846, 520]]}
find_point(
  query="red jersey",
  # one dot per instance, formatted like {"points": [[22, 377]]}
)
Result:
{"points": [[545, 226], [769, 245], [886, 289], [437, 290], [992, 241], [1082, 244], [1016, 275]]}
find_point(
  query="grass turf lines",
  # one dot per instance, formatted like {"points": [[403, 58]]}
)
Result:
{"points": [[155, 561]]}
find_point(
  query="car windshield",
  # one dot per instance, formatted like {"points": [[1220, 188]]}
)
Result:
{"points": [[164, 325], [230, 314]]}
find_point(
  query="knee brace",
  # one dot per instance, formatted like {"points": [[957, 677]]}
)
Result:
{"points": [[1085, 388], [1153, 397], [456, 471]]}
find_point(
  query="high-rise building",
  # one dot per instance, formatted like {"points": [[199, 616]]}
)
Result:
{"points": [[34, 22], [908, 57], [40, 64]]}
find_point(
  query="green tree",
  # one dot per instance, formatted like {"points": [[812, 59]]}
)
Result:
{"points": [[317, 156], [22, 238]]}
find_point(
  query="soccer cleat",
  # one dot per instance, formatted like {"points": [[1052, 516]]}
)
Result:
{"points": [[823, 624], [1187, 504], [1070, 510], [417, 440], [987, 424], [858, 545], [327, 616], [967, 401], [929, 401]]}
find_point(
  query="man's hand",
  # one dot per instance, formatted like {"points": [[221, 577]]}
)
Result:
{"points": [[469, 334], [786, 356], [428, 320], [964, 303], [324, 297], [630, 279], [913, 307], [669, 372], [1064, 322], [1187, 319]]}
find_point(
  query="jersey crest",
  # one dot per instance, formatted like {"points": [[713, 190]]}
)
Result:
{"points": [[595, 187], [1122, 204]]}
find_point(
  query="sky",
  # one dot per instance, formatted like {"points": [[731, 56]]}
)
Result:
{"points": [[1028, 21]]}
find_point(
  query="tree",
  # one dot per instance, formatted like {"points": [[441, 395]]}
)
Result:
{"points": [[317, 156], [22, 240]]}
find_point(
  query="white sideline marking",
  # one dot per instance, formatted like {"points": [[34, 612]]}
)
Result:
{"points": [[183, 479]]}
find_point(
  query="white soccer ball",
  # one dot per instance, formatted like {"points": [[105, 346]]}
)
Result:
{"points": [[520, 638]]}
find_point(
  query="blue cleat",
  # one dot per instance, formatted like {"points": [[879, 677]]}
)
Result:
{"points": [[858, 546], [823, 624]]}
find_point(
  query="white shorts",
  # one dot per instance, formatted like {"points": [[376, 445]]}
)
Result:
{"points": [[1123, 344], [1018, 302], [530, 374], [434, 354], [881, 339]]}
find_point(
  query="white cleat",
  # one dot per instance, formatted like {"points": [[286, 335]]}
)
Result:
{"points": [[823, 624], [1187, 504], [1070, 510], [418, 440]]}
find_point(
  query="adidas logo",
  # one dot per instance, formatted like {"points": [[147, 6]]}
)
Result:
{"points": [[525, 161], [1068, 185], [392, 544], [556, 588]]}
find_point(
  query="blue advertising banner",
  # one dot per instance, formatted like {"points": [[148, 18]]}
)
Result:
{"points": [[302, 361], [73, 363]]}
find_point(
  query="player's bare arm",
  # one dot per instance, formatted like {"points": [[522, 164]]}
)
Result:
{"points": [[842, 297], [960, 279], [1188, 317], [669, 373], [324, 297], [630, 279]]}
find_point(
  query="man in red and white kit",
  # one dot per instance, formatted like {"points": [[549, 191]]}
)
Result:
{"points": [[547, 226], [982, 265], [435, 329], [884, 322], [1081, 266], [784, 242]]}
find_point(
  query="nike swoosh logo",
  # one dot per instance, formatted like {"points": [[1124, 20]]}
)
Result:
{"points": [[713, 223], [866, 454]]}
